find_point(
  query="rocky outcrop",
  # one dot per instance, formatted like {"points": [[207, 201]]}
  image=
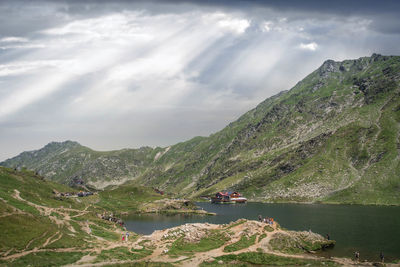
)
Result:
{"points": [[300, 242]]}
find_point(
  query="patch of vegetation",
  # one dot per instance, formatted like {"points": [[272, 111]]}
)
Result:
{"points": [[126, 198], [268, 228], [141, 264], [18, 230], [141, 253], [239, 222], [261, 237], [24, 181], [101, 232], [213, 240], [264, 259], [298, 242], [57, 215], [71, 241], [244, 242], [118, 253], [47, 259]]}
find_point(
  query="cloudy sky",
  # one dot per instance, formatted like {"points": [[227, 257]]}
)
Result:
{"points": [[135, 73]]}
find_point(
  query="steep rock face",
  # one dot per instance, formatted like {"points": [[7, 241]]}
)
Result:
{"points": [[333, 137]]}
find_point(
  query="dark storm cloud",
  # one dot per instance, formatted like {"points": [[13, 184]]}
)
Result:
{"points": [[42, 14], [338, 7]]}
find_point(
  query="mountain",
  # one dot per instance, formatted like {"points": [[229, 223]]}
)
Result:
{"points": [[334, 137], [67, 161]]}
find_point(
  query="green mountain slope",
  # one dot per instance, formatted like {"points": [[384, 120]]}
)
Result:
{"points": [[62, 162], [41, 228], [334, 137], [31, 218]]}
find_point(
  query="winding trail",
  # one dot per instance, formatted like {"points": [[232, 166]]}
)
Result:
{"points": [[158, 243]]}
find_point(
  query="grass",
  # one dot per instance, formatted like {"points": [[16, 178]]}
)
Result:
{"points": [[214, 239], [141, 253], [123, 253], [268, 228], [298, 242], [141, 264], [47, 259], [239, 222], [57, 215], [261, 237], [18, 230], [101, 232], [79, 240], [126, 198], [264, 259], [42, 194], [244, 242], [118, 253]]}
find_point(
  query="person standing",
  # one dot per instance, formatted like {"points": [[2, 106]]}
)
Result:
{"points": [[382, 257], [357, 255], [126, 236]]}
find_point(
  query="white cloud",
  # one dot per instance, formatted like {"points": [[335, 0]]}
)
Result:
{"points": [[310, 46], [12, 39], [24, 67], [145, 69], [236, 25], [228, 22], [267, 26]]}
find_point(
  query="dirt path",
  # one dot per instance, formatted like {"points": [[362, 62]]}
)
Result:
{"points": [[49, 240], [159, 255], [30, 242], [45, 211], [157, 241]]}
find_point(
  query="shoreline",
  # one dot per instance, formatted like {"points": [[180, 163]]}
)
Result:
{"points": [[306, 203]]}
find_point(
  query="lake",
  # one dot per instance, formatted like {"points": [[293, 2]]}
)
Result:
{"points": [[368, 229]]}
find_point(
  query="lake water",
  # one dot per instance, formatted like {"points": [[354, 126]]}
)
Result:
{"points": [[368, 229]]}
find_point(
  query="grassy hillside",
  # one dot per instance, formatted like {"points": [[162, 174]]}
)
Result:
{"points": [[62, 162], [32, 219], [40, 229], [334, 137]]}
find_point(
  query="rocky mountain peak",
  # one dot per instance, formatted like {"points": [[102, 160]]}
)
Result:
{"points": [[332, 137], [327, 67], [67, 143]]}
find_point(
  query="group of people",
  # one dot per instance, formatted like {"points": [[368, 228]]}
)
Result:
{"points": [[125, 236], [266, 220], [357, 256], [111, 218]]}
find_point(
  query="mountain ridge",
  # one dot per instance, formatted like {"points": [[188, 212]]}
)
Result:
{"points": [[323, 140]]}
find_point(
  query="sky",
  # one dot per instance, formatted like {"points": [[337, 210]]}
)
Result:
{"points": [[126, 74]]}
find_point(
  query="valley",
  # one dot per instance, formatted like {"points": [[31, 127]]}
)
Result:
{"points": [[332, 138]]}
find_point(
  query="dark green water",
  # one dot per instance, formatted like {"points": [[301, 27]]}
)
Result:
{"points": [[368, 229]]}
